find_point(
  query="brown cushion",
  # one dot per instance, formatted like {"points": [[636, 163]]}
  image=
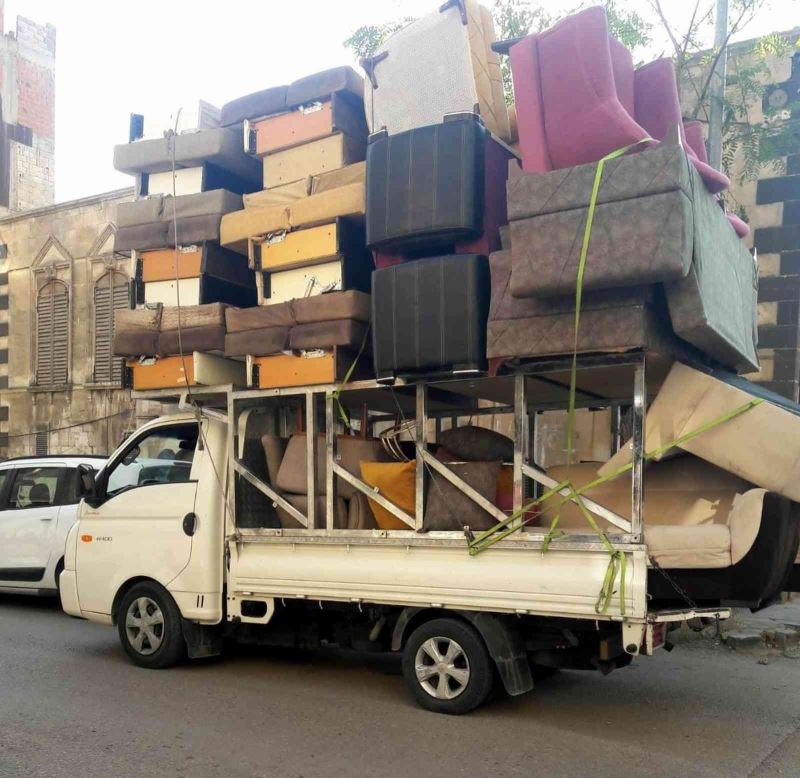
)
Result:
{"points": [[344, 333], [477, 444], [135, 343], [351, 451], [359, 515], [274, 449], [257, 343], [243, 319], [300, 501], [396, 481], [333, 305], [210, 314], [141, 236], [208, 338], [138, 319], [449, 509]]}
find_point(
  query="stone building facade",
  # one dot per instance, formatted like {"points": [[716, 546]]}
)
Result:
{"points": [[27, 115], [61, 391]]}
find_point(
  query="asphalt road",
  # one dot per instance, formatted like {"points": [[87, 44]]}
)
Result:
{"points": [[71, 705]]}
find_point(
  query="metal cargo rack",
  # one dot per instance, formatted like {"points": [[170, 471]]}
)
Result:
{"points": [[606, 380]]}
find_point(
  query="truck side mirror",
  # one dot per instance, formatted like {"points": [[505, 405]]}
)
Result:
{"points": [[87, 481]]}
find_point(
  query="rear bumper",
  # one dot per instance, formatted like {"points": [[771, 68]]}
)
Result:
{"points": [[68, 583]]}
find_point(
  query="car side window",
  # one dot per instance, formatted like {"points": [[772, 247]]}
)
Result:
{"points": [[36, 487], [163, 456]]}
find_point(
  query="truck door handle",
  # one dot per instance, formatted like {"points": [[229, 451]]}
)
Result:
{"points": [[47, 518], [190, 524]]}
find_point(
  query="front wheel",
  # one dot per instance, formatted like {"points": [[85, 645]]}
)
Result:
{"points": [[447, 667], [149, 625]]}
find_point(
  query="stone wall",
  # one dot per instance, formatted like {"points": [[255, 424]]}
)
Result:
{"points": [[72, 243]]}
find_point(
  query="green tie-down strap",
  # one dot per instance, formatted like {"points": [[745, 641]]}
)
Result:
{"points": [[587, 236], [617, 564], [347, 376]]}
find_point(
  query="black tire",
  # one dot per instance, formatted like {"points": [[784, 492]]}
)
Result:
{"points": [[163, 645], [473, 657]]}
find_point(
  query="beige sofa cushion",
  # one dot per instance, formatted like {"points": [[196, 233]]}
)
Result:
{"points": [[680, 547], [684, 490]]}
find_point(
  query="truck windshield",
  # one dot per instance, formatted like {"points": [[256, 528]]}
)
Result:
{"points": [[161, 457]]}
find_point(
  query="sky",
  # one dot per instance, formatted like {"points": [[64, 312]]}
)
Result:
{"points": [[116, 57]]}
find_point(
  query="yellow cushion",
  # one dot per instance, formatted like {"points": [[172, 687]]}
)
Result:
{"points": [[396, 481]]}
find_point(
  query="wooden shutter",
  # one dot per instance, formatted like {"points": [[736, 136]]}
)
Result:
{"points": [[42, 444], [111, 293], [52, 335]]}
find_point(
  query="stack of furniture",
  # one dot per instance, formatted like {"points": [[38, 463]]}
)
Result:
{"points": [[663, 259], [186, 182], [303, 233]]}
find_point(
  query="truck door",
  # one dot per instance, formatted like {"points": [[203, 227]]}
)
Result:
{"points": [[31, 496], [137, 527]]}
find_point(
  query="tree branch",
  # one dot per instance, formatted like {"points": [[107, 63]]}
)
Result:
{"points": [[718, 53]]}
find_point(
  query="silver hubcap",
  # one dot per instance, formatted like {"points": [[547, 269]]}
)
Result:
{"points": [[442, 668], [144, 625]]}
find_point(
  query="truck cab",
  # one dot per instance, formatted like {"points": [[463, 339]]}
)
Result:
{"points": [[154, 515]]}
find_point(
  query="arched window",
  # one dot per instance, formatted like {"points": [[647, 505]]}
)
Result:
{"points": [[111, 293], [52, 334]]}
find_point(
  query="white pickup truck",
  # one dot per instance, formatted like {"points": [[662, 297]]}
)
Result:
{"points": [[206, 542]]}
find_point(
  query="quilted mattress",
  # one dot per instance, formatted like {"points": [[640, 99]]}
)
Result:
{"points": [[715, 308], [221, 147], [637, 241], [655, 171]]}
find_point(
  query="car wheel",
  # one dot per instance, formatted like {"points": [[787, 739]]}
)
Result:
{"points": [[447, 667], [149, 625]]}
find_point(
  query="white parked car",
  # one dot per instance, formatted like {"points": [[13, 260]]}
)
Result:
{"points": [[39, 499]]}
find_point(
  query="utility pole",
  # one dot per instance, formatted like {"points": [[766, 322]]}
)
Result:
{"points": [[718, 85]]}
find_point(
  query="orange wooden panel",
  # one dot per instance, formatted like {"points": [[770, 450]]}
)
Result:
{"points": [[284, 370], [160, 265], [291, 129], [163, 373]]}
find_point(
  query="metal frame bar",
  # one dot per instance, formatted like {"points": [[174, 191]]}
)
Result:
{"points": [[373, 494], [521, 441], [524, 420], [330, 462], [311, 458], [431, 461], [638, 442], [265, 489], [421, 448], [592, 506]]}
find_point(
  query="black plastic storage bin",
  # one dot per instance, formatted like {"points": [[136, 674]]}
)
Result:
{"points": [[425, 187], [429, 316]]}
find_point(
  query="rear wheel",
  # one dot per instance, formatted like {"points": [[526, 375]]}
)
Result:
{"points": [[149, 625], [447, 667]]}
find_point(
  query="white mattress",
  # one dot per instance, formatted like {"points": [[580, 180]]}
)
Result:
{"points": [[166, 292], [304, 282], [188, 180], [194, 115]]}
